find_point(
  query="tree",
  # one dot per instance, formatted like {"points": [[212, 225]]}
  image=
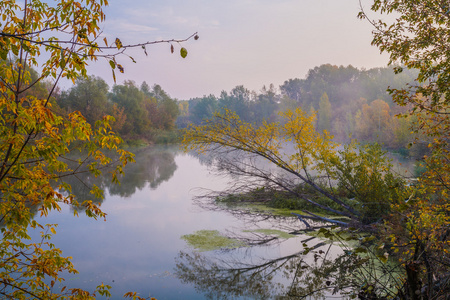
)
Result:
{"points": [[417, 39], [238, 100], [300, 156], [58, 39], [128, 97], [292, 88], [373, 124], [265, 104], [167, 109], [89, 96], [202, 108], [351, 188], [324, 113]]}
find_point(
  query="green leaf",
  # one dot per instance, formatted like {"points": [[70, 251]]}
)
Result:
{"points": [[183, 52], [62, 62], [4, 54], [112, 64], [15, 50]]}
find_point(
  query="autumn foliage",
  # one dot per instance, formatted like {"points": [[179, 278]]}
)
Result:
{"points": [[38, 138]]}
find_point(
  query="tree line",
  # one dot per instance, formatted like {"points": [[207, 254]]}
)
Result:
{"points": [[348, 102], [140, 112]]}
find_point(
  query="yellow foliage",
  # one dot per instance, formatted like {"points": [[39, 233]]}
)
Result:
{"points": [[34, 140], [362, 171]]}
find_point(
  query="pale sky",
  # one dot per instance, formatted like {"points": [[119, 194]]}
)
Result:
{"points": [[242, 42]]}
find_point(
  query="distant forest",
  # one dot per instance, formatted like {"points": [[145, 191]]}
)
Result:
{"points": [[348, 102]]}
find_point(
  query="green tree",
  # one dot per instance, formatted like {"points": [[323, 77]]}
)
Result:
{"points": [[344, 85], [203, 108], [131, 99], [167, 107], [59, 39], [89, 96], [238, 100], [292, 88], [417, 38], [324, 113], [265, 104]]}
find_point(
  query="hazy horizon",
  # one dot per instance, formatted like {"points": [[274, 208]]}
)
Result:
{"points": [[247, 42]]}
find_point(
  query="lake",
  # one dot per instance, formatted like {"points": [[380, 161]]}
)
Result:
{"points": [[139, 247]]}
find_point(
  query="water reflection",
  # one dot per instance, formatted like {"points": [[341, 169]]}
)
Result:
{"points": [[320, 270], [134, 249], [313, 271], [139, 248], [153, 166]]}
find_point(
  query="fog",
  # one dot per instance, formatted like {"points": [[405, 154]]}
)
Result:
{"points": [[250, 43]]}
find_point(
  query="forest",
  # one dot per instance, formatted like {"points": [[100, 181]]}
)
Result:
{"points": [[349, 103]]}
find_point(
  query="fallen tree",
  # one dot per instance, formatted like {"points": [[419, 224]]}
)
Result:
{"points": [[357, 182]]}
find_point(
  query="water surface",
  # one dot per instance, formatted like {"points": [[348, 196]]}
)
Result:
{"points": [[139, 247]]}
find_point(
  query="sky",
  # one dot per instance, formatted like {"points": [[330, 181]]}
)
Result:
{"points": [[241, 42]]}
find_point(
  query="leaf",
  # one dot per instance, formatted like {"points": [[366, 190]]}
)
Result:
{"points": [[62, 62], [183, 52], [118, 43], [3, 54], [120, 68], [171, 49], [106, 41], [112, 64], [196, 37]]}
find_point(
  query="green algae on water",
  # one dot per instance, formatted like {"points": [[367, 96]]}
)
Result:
{"points": [[208, 240]]}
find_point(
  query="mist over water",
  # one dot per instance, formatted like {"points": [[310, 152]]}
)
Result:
{"points": [[139, 247]]}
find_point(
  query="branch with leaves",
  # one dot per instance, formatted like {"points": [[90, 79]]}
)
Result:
{"points": [[59, 39], [298, 155]]}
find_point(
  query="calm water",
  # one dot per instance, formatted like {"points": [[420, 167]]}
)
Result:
{"points": [[139, 246]]}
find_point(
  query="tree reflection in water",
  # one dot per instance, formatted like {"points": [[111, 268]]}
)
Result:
{"points": [[153, 166], [324, 268], [294, 276]]}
